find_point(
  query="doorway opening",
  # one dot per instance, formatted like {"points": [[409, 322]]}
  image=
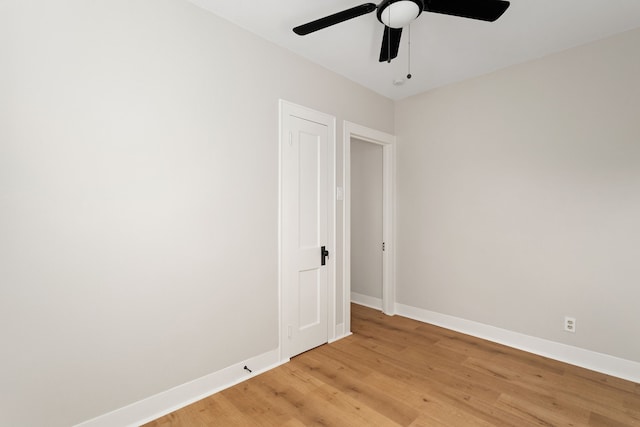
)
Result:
{"points": [[355, 135], [367, 243]]}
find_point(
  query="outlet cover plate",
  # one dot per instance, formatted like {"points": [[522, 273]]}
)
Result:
{"points": [[570, 324]]}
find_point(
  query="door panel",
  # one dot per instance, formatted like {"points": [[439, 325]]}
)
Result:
{"points": [[305, 186], [309, 289], [309, 155]]}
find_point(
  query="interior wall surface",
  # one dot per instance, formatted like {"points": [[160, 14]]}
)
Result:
{"points": [[519, 197], [139, 198]]}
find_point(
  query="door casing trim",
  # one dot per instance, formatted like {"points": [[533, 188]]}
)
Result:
{"points": [[388, 142]]}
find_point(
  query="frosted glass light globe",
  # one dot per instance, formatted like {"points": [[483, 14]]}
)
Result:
{"points": [[400, 13]]}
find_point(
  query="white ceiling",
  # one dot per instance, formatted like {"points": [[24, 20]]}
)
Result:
{"points": [[444, 49]]}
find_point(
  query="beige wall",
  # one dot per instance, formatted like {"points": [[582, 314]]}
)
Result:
{"points": [[138, 182], [366, 218], [519, 197], [138, 198]]}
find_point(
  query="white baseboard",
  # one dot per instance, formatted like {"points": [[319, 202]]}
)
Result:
{"points": [[156, 406], [366, 300], [610, 365]]}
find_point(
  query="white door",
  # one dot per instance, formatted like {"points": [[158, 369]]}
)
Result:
{"points": [[306, 249]]}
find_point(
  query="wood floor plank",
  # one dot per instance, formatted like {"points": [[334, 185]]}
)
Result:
{"points": [[395, 371], [544, 411], [599, 420], [436, 401], [363, 390]]}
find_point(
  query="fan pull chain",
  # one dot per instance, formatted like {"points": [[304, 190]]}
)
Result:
{"points": [[409, 54]]}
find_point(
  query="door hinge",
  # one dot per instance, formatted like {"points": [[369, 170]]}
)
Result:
{"points": [[289, 331], [383, 246], [290, 138]]}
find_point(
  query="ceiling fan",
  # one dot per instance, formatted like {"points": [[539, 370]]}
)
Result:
{"points": [[395, 14]]}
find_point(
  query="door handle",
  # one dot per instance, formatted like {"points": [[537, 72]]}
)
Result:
{"points": [[324, 254]]}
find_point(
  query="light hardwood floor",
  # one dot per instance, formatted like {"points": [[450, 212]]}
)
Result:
{"points": [[395, 371]]}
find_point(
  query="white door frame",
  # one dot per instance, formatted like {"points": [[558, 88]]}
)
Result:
{"points": [[388, 142], [286, 108]]}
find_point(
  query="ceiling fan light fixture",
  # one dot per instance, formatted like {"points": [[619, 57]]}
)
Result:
{"points": [[396, 14], [399, 13]]}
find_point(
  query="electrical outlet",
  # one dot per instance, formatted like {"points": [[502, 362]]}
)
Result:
{"points": [[570, 324]]}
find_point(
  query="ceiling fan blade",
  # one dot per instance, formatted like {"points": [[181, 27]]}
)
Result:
{"points": [[390, 43], [485, 10], [336, 18]]}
